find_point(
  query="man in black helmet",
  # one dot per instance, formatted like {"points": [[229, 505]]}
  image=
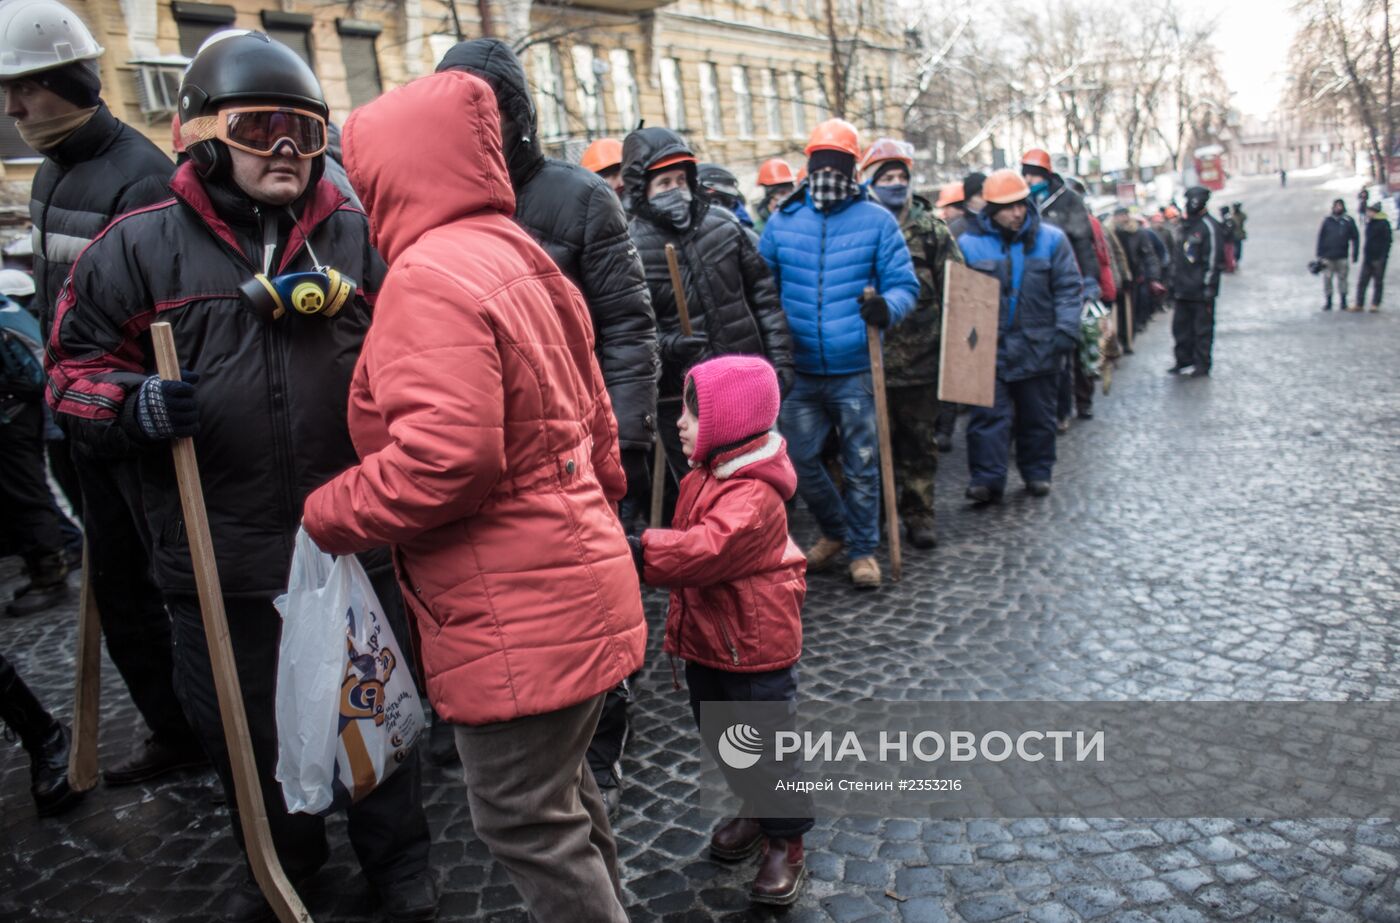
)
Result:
{"points": [[575, 215], [264, 399], [1197, 259], [95, 167]]}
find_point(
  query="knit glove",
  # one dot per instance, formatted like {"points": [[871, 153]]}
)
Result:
{"points": [[687, 350], [167, 409], [875, 310], [1065, 343]]}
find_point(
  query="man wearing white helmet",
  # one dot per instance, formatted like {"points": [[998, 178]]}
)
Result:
{"points": [[94, 169]]}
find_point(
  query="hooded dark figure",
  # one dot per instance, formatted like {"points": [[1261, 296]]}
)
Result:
{"points": [[729, 290], [1197, 260]]}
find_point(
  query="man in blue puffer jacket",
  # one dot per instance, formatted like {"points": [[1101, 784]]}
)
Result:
{"points": [[827, 245], [1041, 295]]}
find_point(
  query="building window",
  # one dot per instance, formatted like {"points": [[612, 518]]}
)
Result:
{"points": [[673, 93], [624, 88], [357, 51], [590, 101], [709, 102], [292, 30], [772, 108], [548, 73], [197, 21], [743, 110], [799, 105]]}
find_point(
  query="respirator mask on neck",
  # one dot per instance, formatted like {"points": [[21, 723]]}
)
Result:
{"points": [[323, 290]]}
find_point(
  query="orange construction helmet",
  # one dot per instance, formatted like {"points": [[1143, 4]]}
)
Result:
{"points": [[1035, 157], [888, 149], [950, 194], [834, 135], [603, 154], [1005, 187], [775, 172], [673, 161]]}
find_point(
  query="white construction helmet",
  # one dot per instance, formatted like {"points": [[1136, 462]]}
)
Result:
{"points": [[16, 282], [38, 35]]}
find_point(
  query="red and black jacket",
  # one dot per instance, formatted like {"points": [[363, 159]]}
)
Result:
{"points": [[272, 395]]}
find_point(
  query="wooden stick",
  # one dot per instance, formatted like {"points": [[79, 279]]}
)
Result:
{"points": [[252, 812], [882, 427], [82, 758], [658, 473]]}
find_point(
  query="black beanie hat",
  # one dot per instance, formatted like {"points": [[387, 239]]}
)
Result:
{"points": [[887, 166], [844, 163], [972, 185], [79, 82]]}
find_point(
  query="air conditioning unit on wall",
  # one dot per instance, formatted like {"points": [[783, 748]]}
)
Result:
{"points": [[158, 85]]}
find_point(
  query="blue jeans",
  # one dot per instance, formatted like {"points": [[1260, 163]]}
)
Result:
{"points": [[1024, 410], [816, 404]]}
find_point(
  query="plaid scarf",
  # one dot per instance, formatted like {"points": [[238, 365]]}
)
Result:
{"points": [[829, 189]]}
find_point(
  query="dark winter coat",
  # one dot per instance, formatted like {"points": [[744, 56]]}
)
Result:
{"points": [[1337, 237], [1042, 293], [911, 347], [1142, 255], [103, 169], [1198, 259], [577, 219], [1064, 209], [271, 395], [729, 291], [1378, 238]]}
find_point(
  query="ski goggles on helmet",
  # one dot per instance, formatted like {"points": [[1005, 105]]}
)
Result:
{"points": [[261, 130]]}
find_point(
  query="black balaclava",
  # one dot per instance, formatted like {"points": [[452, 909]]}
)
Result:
{"points": [[79, 82], [1196, 199], [972, 186], [893, 198]]}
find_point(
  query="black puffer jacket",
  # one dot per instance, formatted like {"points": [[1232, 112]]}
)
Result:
{"points": [[577, 219], [1198, 257], [728, 288], [271, 395], [103, 169], [1065, 210]]}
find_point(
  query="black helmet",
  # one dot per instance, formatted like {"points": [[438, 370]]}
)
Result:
{"points": [[243, 66], [714, 178]]}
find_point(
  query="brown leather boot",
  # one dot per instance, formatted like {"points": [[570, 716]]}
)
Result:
{"points": [[780, 872], [823, 555], [736, 839]]}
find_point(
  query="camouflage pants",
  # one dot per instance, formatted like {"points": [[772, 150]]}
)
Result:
{"points": [[913, 437]]}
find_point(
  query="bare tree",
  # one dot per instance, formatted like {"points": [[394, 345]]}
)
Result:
{"points": [[1343, 60]]}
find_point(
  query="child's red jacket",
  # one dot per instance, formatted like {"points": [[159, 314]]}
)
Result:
{"points": [[737, 580]]}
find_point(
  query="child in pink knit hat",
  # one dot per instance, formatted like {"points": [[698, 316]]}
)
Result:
{"points": [[737, 584]]}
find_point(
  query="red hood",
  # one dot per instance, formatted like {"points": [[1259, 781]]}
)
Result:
{"points": [[764, 459], [426, 155]]}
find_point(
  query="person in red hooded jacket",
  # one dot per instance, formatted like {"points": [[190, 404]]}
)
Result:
{"points": [[737, 583], [489, 464]]}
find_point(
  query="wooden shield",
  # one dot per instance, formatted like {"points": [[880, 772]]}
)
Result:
{"points": [[967, 369]]}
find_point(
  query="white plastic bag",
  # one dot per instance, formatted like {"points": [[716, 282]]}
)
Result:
{"points": [[347, 710]]}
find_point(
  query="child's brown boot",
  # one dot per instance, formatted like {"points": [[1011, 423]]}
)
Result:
{"points": [[736, 839], [781, 872]]}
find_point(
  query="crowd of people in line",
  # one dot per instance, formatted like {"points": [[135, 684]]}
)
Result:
{"points": [[459, 373]]}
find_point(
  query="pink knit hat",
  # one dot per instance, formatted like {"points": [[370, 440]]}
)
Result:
{"points": [[738, 397]]}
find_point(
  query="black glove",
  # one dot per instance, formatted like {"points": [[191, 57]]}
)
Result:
{"points": [[635, 544], [1064, 343], [787, 377], [687, 350], [166, 410], [875, 310]]}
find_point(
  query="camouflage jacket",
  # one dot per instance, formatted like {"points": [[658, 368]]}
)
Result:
{"points": [[911, 347]]}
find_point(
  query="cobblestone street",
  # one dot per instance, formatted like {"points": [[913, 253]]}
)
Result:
{"points": [[1235, 537]]}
